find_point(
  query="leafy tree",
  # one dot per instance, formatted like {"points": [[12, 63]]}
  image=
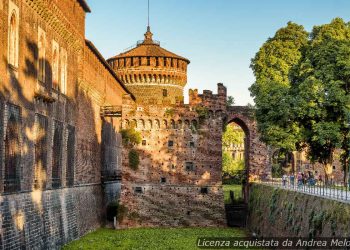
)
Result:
{"points": [[232, 136], [271, 67], [320, 87], [230, 101]]}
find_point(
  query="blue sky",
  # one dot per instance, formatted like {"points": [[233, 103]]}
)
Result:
{"points": [[219, 36]]}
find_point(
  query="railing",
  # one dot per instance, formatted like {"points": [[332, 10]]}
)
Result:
{"points": [[332, 190], [153, 41]]}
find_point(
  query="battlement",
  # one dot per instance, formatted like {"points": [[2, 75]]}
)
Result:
{"points": [[208, 99]]}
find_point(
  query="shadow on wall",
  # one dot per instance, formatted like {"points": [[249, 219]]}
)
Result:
{"points": [[42, 217]]}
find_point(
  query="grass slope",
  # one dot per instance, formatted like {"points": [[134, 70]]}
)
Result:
{"points": [[150, 238], [237, 189]]}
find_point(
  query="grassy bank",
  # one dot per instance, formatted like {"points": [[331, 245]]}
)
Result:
{"points": [[150, 238], [237, 189]]}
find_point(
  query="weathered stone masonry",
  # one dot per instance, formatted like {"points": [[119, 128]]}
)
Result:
{"points": [[55, 142], [178, 182]]}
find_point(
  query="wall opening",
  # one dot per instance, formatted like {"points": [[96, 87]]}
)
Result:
{"points": [[235, 160]]}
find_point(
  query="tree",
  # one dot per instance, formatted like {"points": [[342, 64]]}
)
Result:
{"points": [[230, 101], [320, 87], [271, 67], [232, 136], [302, 91]]}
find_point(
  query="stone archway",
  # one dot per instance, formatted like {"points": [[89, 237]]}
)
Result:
{"points": [[257, 153]]}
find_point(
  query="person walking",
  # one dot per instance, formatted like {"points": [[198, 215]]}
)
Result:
{"points": [[291, 179], [300, 180], [284, 180]]}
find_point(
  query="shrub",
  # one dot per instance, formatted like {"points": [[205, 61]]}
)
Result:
{"points": [[114, 209], [202, 112], [169, 112], [134, 159], [130, 137], [122, 212]]}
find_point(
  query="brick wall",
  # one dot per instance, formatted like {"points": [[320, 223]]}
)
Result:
{"points": [[48, 216], [165, 190]]}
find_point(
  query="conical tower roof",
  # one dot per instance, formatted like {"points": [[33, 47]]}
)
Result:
{"points": [[149, 47]]}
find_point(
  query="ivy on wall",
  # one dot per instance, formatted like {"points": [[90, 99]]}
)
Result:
{"points": [[295, 214], [134, 159]]}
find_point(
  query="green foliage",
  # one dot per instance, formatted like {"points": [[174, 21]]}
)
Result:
{"points": [[121, 212], [169, 112], [231, 166], [230, 101], [316, 221], [134, 159], [232, 136], [320, 85], [237, 190], [130, 137], [114, 209], [277, 171], [273, 205], [302, 90], [149, 238], [202, 112], [271, 67]]}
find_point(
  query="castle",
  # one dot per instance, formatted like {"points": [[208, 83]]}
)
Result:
{"points": [[178, 181], [62, 156]]}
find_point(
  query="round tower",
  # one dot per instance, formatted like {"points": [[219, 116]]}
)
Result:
{"points": [[153, 74]]}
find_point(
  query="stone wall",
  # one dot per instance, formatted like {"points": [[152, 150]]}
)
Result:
{"points": [[49, 219], [285, 213], [178, 181], [59, 194]]}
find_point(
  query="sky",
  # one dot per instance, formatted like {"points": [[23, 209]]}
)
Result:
{"points": [[219, 37]]}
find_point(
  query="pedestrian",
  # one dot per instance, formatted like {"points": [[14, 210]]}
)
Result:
{"points": [[284, 179], [300, 179], [291, 179]]}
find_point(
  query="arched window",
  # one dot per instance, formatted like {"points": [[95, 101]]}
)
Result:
{"points": [[55, 60], [149, 124], [12, 151], [172, 124], [13, 39], [64, 60], [42, 56], [165, 124], [157, 124], [57, 156], [70, 156]]}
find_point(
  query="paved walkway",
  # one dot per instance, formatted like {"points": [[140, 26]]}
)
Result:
{"points": [[335, 193]]}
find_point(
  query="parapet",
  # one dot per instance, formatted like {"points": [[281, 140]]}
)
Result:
{"points": [[209, 99]]}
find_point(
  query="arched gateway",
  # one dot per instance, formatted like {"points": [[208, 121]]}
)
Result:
{"points": [[257, 160], [173, 176]]}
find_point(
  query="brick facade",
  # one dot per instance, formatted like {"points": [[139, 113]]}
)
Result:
{"points": [[178, 182], [52, 151]]}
